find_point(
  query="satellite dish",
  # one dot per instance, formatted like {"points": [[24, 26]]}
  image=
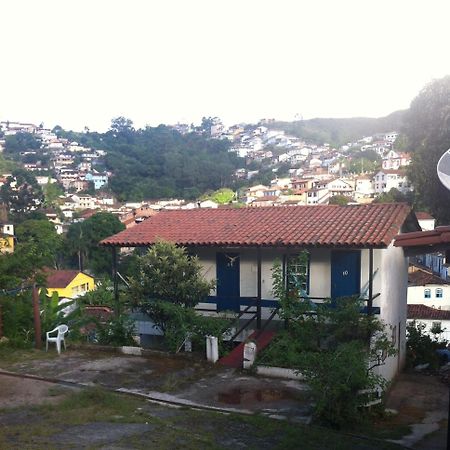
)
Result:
{"points": [[443, 169]]}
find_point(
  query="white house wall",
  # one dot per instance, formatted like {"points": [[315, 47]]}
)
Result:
{"points": [[320, 273], [416, 296], [392, 301], [390, 281]]}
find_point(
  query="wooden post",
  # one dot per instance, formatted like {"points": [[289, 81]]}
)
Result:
{"points": [[1, 322], [116, 283], [37, 318], [370, 299], [258, 299]]}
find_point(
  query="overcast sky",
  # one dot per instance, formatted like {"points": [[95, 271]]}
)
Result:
{"points": [[80, 63]]}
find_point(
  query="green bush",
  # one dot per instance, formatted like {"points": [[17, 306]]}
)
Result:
{"points": [[17, 317], [178, 321], [333, 345], [166, 272], [117, 332], [420, 346], [53, 314], [103, 295]]}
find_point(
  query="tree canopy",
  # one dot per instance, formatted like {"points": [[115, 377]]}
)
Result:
{"points": [[160, 162], [428, 132], [37, 247], [166, 272], [21, 194], [82, 242]]}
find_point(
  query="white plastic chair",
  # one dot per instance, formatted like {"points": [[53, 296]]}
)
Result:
{"points": [[62, 330]]}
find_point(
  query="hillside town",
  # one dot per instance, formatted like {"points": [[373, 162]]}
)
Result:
{"points": [[339, 217], [225, 226], [314, 173]]}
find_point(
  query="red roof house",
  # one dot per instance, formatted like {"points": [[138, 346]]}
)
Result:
{"points": [[350, 252]]}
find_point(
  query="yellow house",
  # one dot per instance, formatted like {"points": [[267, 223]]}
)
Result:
{"points": [[69, 283], [7, 238], [6, 244]]}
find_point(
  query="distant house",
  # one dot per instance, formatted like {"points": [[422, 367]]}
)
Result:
{"points": [[350, 251], [426, 221], [394, 160], [69, 283], [84, 202], [426, 288], [99, 179], [255, 192], [317, 196], [339, 186], [363, 187], [265, 201], [302, 184], [385, 180]]}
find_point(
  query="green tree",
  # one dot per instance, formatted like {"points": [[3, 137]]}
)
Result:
{"points": [[333, 345], [20, 142], [363, 165], [37, 247], [166, 272], [222, 196], [82, 242], [39, 238], [167, 285], [121, 125], [52, 191], [427, 129], [339, 200], [21, 194], [394, 196]]}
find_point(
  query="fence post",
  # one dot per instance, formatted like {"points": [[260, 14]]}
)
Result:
{"points": [[37, 318]]}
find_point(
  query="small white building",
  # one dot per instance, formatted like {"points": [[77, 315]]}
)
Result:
{"points": [[364, 187], [426, 221], [394, 160], [385, 180], [428, 289]]}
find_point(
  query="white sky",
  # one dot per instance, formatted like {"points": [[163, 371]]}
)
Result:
{"points": [[83, 62]]}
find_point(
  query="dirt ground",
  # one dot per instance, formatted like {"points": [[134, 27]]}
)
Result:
{"points": [[94, 419], [419, 402], [177, 379], [17, 392]]}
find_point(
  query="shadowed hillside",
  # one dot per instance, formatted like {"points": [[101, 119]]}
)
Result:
{"points": [[340, 131]]}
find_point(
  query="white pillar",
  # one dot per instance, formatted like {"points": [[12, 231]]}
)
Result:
{"points": [[250, 351], [212, 348]]}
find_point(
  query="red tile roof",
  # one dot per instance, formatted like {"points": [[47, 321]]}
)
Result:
{"points": [[102, 313], [373, 225], [422, 215], [438, 236], [427, 313], [60, 278]]}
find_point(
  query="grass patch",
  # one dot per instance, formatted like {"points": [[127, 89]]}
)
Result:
{"points": [[10, 356], [182, 428], [96, 404]]}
